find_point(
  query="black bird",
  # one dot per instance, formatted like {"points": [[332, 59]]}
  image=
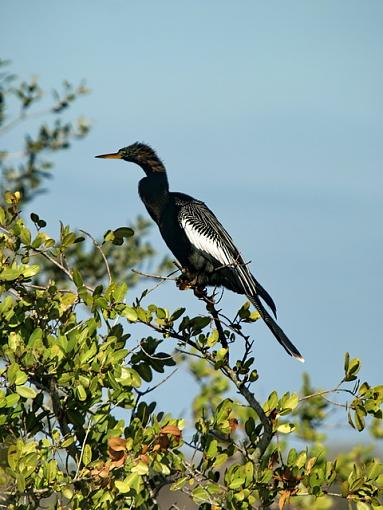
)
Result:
{"points": [[197, 239]]}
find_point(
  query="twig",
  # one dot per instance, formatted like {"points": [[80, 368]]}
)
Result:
{"points": [[156, 276], [152, 388], [334, 494], [325, 392], [267, 435], [98, 247], [82, 450], [209, 301], [42, 287], [22, 117], [61, 416], [60, 266], [188, 353]]}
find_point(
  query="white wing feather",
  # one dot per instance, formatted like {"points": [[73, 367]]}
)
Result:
{"points": [[206, 244], [218, 245]]}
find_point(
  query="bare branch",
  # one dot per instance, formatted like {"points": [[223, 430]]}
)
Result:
{"points": [[98, 247], [152, 388], [60, 415], [156, 276]]}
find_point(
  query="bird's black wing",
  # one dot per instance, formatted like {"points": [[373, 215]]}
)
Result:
{"points": [[206, 233]]}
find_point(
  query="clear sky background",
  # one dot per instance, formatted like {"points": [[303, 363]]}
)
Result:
{"points": [[270, 112]]}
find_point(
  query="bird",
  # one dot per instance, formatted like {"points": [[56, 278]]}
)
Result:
{"points": [[204, 249]]}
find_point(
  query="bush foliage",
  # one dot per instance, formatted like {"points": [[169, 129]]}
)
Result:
{"points": [[79, 427]]}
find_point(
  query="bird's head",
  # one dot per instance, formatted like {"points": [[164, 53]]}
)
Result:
{"points": [[138, 153]]}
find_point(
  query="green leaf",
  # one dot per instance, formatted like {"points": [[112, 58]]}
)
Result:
{"points": [[51, 470], [221, 459], [123, 232], [249, 472], [132, 481], [87, 455], [67, 492], [271, 402], [285, 428], [26, 391], [12, 399], [36, 335], [39, 239], [161, 313], [200, 495], [359, 419], [15, 342], [10, 273], [81, 392], [221, 354], [129, 377], [290, 402], [179, 484], [199, 323], [21, 378], [120, 292], [144, 371], [177, 314], [236, 483], [88, 354], [223, 410], [25, 236], [212, 449], [78, 281], [351, 367], [122, 486], [141, 468], [130, 313], [363, 506], [213, 338], [301, 460], [67, 442], [34, 217]]}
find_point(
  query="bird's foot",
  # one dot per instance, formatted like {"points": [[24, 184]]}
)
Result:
{"points": [[190, 281], [186, 281], [200, 292]]}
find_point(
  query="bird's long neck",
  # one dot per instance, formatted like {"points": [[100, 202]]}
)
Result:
{"points": [[154, 192], [149, 162]]}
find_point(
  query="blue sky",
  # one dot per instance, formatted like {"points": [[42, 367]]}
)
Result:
{"points": [[270, 112]]}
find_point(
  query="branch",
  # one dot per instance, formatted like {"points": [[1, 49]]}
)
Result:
{"points": [[202, 295], [326, 392], [229, 372], [61, 417], [152, 388], [82, 450], [267, 436], [156, 276], [23, 117], [98, 247], [60, 266]]}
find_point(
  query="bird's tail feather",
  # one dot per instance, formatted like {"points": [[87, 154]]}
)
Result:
{"points": [[276, 330], [265, 296]]}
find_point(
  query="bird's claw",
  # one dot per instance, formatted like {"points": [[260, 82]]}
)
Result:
{"points": [[187, 281], [184, 282]]}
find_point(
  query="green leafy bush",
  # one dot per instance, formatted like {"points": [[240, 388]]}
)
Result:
{"points": [[72, 366]]}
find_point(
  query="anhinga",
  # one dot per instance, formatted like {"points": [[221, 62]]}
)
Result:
{"points": [[197, 239]]}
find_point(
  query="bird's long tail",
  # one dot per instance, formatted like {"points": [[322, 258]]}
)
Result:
{"points": [[276, 330]]}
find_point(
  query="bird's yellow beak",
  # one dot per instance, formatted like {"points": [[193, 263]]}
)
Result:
{"points": [[114, 155]]}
